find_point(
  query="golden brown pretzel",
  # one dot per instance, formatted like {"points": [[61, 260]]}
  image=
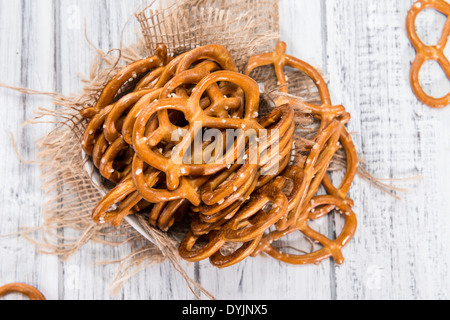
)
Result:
{"points": [[319, 207], [428, 52], [231, 181], [326, 111], [111, 130], [214, 52], [150, 80], [91, 134], [246, 227], [27, 290], [112, 88], [197, 119], [125, 190], [110, 157], [314, 171]]}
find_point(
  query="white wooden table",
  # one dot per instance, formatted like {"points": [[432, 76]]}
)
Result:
{"points": [[401, 250]]}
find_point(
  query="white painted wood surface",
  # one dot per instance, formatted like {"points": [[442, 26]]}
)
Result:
{"points": [[401, 250]]}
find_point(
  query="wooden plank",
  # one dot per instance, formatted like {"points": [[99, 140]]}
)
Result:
{"points": [[400, 250]]}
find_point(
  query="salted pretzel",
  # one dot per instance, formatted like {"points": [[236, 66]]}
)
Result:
{"points": [[205, 223], [91, 133], [326, 112], [428, 52], [194, 114], [119, 111], [164, 215], [126, 189], [24, 289], [236, 194], [318, 208], [115, 84]]}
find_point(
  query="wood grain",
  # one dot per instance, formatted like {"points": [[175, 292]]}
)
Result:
{"points": [[401, 249]]}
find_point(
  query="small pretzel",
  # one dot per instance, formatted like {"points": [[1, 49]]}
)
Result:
{"points": [[122, 191], [194, 114], [428, 52], [26, 290], [205, 223], [314, 170], [163, 215], [110, 157], [133, 140], [326, 111], [318, 208], [91, 133], [112, 88]]}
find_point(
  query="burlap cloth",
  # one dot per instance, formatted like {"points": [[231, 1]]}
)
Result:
{"points": [[244, 27]]}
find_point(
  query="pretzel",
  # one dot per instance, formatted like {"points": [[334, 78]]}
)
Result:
{"points": [[281, 120], [91, 136], [318, 208], [194, 114], [165, 214], [113, 86], [110, 157], [26, 290], [326, 112], [111, 129], [124, 190], [428, 52], [248, 225], [236, 194], [314, 170]]}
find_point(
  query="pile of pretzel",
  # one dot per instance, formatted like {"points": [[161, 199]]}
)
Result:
{"points": [[134, 139]]}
